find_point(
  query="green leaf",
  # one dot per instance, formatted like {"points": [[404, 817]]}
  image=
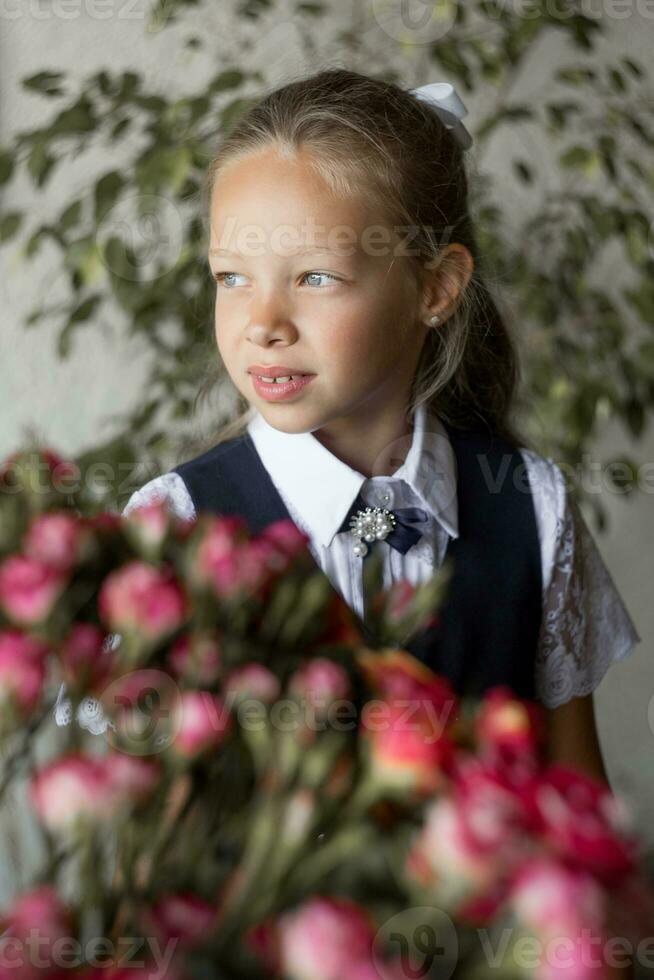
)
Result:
{"points": [[40, 162], [103, 81], [634, 416], [633, 67], [45, 82], [575, 76], [159, 168], [523, 171], [623, 473], [9, 224], [130, 82], [617, 81], [106, 193], [119, 128], [558, 113], [70, 216], [6, 167], [84, 309], [79, 118], [79, 314], [581, 158], [642, 299], [34, 241], [637, 238], [314, 9], [231, 78]]}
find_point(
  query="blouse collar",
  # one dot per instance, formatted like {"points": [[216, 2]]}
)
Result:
{"points": [[321, 488]]}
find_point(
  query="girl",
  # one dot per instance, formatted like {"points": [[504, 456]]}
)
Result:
{"points": [[331, 205]]}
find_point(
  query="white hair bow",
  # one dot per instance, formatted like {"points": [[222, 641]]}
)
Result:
{"points": [[449, 107]]}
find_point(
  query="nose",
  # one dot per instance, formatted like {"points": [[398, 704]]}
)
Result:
{"points": [[270, 321]]}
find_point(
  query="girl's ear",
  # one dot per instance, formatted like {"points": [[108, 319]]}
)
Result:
{"points": [[445, 281]]}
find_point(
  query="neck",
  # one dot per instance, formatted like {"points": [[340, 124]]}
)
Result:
{"points": [[373, 446]]}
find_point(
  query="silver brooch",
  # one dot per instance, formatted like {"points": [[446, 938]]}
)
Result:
{"points": [[371, 524]]}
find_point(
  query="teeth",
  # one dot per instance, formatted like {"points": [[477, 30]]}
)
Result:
{"points": [[286, 377]]}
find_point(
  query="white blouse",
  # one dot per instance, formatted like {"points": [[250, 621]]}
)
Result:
{"points": [[585, 624]]}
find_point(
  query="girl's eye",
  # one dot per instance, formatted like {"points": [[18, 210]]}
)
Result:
{"points": [[220, 277], [325, 275]]}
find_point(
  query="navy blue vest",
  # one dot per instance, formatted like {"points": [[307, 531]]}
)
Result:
{"points": [[489, 622]]}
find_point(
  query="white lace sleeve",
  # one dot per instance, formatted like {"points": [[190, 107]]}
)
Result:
{"points": [[170, 486], [586, 626]]}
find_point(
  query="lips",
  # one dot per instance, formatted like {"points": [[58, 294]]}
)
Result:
{"points": [[275, 370]]}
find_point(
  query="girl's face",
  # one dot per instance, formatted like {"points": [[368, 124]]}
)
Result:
{"points": [[345, 312]]}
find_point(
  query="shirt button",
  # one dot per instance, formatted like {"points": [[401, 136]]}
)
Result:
{"points": [[385, 497]]}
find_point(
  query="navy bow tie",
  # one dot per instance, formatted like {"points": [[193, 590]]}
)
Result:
{"points": [[404, 534]]}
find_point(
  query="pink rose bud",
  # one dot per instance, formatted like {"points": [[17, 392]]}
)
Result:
{"points": [[183, 917], [253, 681], [225, 559], [34, 925], [141, 705], [29, 589], [584, 822], [322, 938], [22, 670], [141, 598], [509, 728], [554, 900], [57, 538], [497, 813], [71, 791], [320, 682], [287, 540], [132, 779], [86, 657], [196, 657], [201, 721], [79, 789], [406, 750], [445, 860], [148, 525], [398, 675]]}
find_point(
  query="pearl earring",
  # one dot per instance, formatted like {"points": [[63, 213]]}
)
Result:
{"points": [[433, 320]]}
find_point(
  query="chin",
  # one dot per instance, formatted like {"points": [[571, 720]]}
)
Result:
{"points": [[290, 422]]}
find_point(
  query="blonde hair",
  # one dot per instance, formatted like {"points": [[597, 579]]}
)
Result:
{"points": [[367, 136]]}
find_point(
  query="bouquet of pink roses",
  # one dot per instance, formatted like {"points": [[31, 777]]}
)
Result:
{"points": [[275, 794]]}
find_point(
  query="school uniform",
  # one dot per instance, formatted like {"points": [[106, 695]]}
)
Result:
{"points": [[530, 603]]}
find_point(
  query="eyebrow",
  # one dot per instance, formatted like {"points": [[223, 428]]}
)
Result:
{"points": [[307, 250]]}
